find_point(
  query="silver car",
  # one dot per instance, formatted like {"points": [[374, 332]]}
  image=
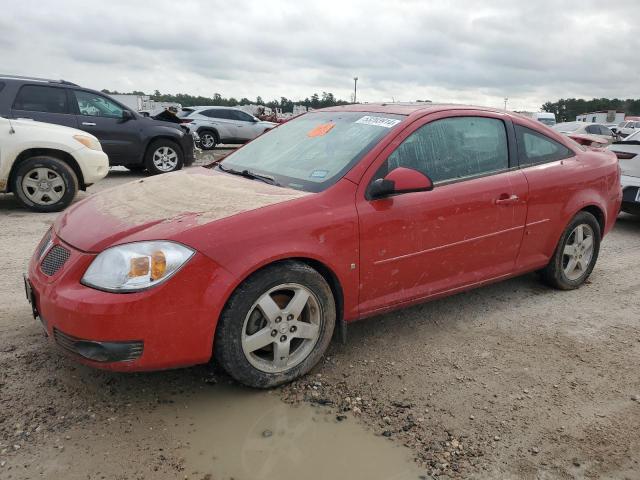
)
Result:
{"points": [[217, 125]]}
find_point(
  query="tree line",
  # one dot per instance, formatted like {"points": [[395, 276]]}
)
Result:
{"points": [[327, 99], [567, 109]]}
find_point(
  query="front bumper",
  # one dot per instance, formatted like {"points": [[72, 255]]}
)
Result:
{"points": [[94, 164], [168, 326]]}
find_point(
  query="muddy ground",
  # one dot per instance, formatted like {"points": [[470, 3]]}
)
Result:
{"points": [[513, 380]]}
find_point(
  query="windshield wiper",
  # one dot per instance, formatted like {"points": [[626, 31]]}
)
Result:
{"points": [[249, 174]]}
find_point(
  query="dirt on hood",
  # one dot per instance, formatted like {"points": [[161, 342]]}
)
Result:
{"points": [[208, 194]]}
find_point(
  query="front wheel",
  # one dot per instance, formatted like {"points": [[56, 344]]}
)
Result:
{"points": [[576, 253], [163, 156], [276, 326], [45, 184]]}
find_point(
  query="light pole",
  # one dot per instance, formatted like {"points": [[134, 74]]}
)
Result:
{"points": [[505, 102], [355, 88]]}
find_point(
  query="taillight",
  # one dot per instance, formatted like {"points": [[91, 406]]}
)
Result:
{"points": [[624, 155]]}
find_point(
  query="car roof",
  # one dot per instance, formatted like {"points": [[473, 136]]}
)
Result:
{"points": [[20, 78], [407, 108], [212, 107]]}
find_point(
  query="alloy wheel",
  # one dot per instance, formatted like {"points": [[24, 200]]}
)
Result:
{"points": [[43, 186], [578, 252], [165, 159], [282, 328], [207, 140]]}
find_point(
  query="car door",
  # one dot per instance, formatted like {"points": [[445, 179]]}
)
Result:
{"points": [[467, 230], [44, 103], [221, 119], [101, 116], [246, 124]]}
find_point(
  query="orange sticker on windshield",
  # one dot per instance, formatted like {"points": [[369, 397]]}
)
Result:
{"points": [[321, 130]]}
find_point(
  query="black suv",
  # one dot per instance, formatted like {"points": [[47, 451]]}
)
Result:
{"points": [[127, 137]]}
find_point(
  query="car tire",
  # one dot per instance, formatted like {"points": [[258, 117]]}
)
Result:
{"points": [[576, 254], [44, 184], [208, 139], [248, 340], [163, 156]]}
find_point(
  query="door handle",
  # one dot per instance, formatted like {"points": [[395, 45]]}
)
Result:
{"points": [[506, 199], [89, 124]]}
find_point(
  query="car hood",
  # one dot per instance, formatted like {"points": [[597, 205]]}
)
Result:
{"points": [[163, 206], [61, 129]]}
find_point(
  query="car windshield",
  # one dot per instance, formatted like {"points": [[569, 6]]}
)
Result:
{"points": [[547, 121], [567, 126], [315, 150]]}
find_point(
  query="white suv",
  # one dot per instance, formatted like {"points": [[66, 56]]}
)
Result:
{"points": [[627, 128], [44, 164], [628, 153], [217, 125]]}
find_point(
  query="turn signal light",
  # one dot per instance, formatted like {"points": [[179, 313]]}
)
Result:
{"points": [[158, 265], [139, 267]]}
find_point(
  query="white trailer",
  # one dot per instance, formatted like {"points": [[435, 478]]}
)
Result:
{"points": [[602, 117]]}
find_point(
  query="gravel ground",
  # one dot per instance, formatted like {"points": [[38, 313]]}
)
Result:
{"points": [[513, 380]]}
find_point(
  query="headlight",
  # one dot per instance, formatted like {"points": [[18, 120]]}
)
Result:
{"points": [[136, 266], [88, 142]]}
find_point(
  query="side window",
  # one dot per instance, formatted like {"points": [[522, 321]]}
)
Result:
{"points": [[35, 98], [242, 116], [217, 113], [536, 148], [453, 148], [605, 130], [93, 105]]}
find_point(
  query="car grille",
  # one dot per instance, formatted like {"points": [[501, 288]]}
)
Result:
{"points": [[54, 260], [99, 351]]}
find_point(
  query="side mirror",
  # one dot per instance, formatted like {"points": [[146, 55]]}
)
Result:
{"points": [[398, 181], [127, 115]]}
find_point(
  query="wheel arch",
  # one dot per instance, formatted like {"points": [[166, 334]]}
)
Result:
{"points": [[597, 212], [61, 155], [321, 267], [161, 137]]}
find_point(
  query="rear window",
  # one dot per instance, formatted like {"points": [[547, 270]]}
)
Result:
{"points": [[36, 98], [185, 112], [534, 147]]}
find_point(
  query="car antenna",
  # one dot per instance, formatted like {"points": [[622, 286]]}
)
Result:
{"points": [[11, 129]]}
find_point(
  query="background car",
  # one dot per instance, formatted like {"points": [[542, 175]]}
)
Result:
{"points": [[44, 165], [628, 127], [628, 153], [128, 138], [216, 125], [584, 128]]}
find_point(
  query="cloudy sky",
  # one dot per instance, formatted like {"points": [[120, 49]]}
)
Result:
{"points": [[462, 51]]}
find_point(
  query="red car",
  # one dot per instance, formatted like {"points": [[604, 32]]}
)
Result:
{"points": [[337, 215]]}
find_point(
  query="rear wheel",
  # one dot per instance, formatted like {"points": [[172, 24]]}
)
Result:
{"points": [[208, 140], [45, 184], [276, 325], [576, 253], [163, 156]]}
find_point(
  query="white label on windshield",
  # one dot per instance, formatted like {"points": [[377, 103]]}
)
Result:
{"points": [[378, 121]]}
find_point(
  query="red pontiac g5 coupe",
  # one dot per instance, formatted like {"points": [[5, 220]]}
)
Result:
{"points": [[337, 215]]}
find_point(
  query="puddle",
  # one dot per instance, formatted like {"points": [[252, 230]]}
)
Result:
{"points": [[244, 434]]}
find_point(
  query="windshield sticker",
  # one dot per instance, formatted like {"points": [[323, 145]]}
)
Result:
{"points": [[321, 130], [319, 173], [378, 121]]}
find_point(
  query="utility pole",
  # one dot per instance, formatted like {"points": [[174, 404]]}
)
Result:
{"points": [[505, 102], [355, 89]]}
